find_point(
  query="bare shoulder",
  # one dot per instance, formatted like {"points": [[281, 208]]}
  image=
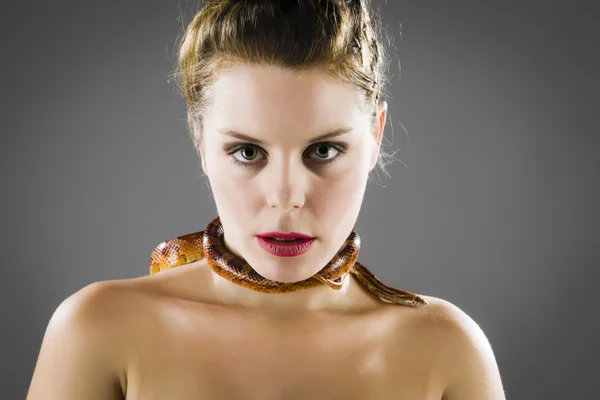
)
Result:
{"points": [[441, 314], [106, 307], [94, 313], [82, 352], [94, 334], [463, 350]]}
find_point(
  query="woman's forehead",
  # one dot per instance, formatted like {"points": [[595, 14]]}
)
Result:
{"points": [[274, 96]]}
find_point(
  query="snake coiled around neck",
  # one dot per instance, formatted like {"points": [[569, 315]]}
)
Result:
{"points": [[209, 243]]}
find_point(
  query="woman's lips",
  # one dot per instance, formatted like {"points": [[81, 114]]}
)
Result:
{"points": [[285, 249], [285, 236]]}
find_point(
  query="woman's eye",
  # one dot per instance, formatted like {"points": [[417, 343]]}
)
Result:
{"points": [[248, 153], [323, 150]]}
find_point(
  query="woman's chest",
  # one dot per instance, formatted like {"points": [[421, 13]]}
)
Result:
{"points": [[341, 359]]}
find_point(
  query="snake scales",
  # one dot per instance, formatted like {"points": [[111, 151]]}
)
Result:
{"points": [[195, 246]]}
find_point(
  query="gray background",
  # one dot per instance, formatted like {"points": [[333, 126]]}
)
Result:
{"points": [[496, 209]]}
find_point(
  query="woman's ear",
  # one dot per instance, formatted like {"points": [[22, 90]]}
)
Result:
{"points": [[378, 127], [197, 139], [202, 160], [381, 118]]}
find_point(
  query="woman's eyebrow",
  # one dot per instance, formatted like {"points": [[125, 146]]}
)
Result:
{"points": [[242, 136]]}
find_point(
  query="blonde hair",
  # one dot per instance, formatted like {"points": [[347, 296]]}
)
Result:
{"points": [[339, 36]]}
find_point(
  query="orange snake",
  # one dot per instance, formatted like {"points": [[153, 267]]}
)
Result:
{"points": [[194, 246]]}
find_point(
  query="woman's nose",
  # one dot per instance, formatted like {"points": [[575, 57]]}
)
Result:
{"points": [[286, 186]]}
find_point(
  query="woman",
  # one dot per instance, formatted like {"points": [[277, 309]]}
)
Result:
{"points": [[264, 82]]}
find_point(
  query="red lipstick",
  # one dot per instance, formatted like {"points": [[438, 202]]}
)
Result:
{"points": [[285, 236], [294, 243]]}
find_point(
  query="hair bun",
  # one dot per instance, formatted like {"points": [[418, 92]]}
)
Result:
{"points": [[214, 3]]}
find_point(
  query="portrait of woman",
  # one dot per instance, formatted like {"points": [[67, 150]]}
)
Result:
{"points": [[287, 110], [285, 105]]}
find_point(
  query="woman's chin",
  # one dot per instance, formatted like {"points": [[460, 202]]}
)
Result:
{"points": [[285, 274]]}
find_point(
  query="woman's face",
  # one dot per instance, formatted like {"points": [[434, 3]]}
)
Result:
{"points": [[285, 180]]}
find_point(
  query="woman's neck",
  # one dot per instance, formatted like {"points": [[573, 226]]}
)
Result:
{"points": [[350, 298]]}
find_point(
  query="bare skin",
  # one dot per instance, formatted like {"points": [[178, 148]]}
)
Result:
{"points": [[353, 350], [186, 333], [170, 336]]}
